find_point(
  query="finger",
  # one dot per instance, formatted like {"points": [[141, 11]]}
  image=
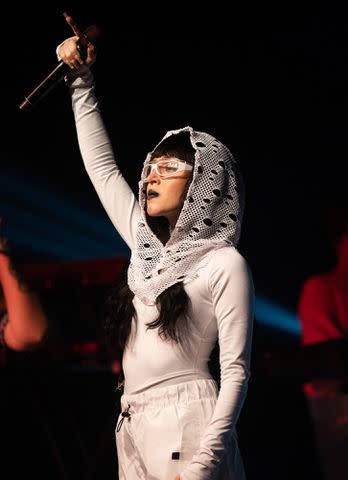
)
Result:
{"points": [[68, 49], [73, 62], [78, 58], [91, 55], [73, 57]]}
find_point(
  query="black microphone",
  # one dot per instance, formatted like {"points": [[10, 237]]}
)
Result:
{"points": [[58, 73], [47, 84]]}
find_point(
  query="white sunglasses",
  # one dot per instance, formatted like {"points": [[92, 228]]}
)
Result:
{"points": [[166, 168]]}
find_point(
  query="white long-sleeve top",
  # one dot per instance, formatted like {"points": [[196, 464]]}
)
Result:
{"points": [[221, 295]]}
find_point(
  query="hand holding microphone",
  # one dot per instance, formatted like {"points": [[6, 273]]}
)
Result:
{"points": [[73, 52], [78, 49]]}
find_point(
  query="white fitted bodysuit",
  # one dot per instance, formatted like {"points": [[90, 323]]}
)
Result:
{"points": [[221, 295]]}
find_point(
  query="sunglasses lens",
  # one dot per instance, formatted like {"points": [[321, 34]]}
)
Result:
{"points": [[166, 169], [163, 169]]}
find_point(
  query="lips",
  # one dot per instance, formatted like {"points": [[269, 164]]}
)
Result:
{"points": [[152, 194]]}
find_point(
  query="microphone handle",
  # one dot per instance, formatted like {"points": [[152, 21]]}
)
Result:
{"points": [[49, 82], [55, 76]]}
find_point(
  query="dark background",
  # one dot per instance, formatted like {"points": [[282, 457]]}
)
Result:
{"points": [[267, 80]]}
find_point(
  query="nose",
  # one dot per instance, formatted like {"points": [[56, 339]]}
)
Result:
{"points": [[152, 177]]}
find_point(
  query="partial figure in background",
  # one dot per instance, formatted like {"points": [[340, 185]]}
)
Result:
{"points": [[187, 287], [23, 322], [323, 313]]}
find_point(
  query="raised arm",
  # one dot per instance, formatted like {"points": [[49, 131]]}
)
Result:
{"points": [[95, 146]]}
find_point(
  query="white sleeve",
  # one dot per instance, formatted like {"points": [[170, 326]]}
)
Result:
{"points": [[233, 299], [114, 193]]}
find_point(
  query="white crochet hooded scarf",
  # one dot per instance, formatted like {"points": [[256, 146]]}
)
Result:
{"points": [[210, 218]]}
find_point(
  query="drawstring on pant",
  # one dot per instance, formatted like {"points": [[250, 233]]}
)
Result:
{"points": [[124, 415]]}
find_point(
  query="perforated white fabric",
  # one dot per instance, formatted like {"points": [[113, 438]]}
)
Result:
{"points": [[210, 218]]}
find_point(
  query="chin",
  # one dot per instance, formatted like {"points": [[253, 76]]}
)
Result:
{"points": [[154, 213]]}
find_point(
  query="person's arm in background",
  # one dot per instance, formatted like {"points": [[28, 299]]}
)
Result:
{"points": [[26, 323]]}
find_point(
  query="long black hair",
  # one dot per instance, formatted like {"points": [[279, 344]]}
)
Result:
{"points": [[173, 303]]}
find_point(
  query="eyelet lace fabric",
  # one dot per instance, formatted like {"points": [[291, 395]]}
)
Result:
{"points": [[210, 218]]}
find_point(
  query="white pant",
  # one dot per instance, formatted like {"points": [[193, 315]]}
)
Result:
{"points": [[164, 429]]}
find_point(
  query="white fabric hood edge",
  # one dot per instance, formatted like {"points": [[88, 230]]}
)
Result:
{"points": [[210, 218]]}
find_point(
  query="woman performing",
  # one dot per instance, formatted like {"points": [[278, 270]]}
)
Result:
{"points": [[188, 287]]}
